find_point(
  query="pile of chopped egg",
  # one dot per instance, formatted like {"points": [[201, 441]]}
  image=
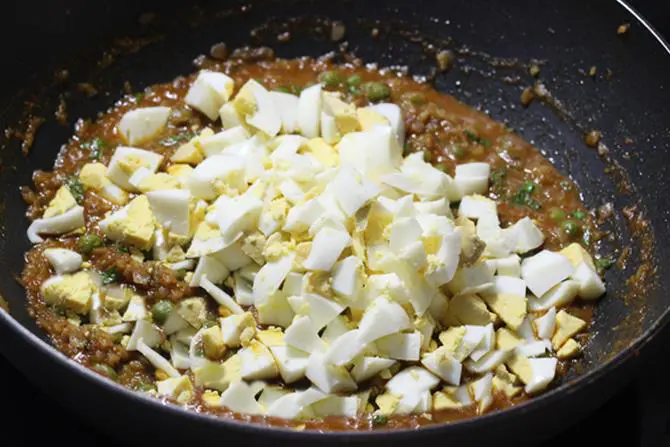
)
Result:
{"points": [[332, 259]]}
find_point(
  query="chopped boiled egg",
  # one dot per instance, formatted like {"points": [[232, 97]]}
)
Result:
{"points": [[545, 270], [63, 260], [472, 178], [70, 220], [566, 326], [591, 287], [139, 125], [128, 160], [209, 92], [327, 256], [309, 111], [133, 224]]}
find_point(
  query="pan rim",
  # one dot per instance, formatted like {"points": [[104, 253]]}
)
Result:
{"points": [[535, 404]]}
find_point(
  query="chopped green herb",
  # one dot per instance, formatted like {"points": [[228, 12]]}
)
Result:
{"points": [[96, 146], [143, 386], [109, 276], [76, 188], [283, 89], [331, 79], [354, 90], [524, 197], [556, 214], [605, 263], [179, 138], [161, 311], [376, 91], [379, 419], [138, 96], [571, 228], [474, 138], [89, 242], [579, 215], [123, 249], [105, 370], [498, 177]]}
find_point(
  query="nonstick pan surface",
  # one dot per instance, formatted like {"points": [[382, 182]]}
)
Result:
{"points": [[628, 100]]}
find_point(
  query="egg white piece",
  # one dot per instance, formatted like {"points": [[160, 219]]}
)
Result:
{"points": [[124, 156], [257, 362], [138, 125], [217, 143], [545, 325], [382, 317], [482, 392], [352, 191], [400, 346], [326, 377], [287, 106], [472, 178], [543, 373], [211, 268], [269, 278], [309, 111], [336, 406], [488, 362], [366, 367], [291, 362], [509, 266], [326, 248], [545, 270], [534, 349], [373, 153], [63, 260], [62, 223], [240, 397], [220, 296], [394, 116], [157, 360], [347, 281], [229, 169], [476, 206], [171, 209], [209, 92], [442, 363], [591, 287], [344, 349], [302, 335], [266, 118], [560, 295], [525, 234], [412, 379]]}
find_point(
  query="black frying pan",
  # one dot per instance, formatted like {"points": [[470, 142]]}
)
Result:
{"points": [[630, 100]]}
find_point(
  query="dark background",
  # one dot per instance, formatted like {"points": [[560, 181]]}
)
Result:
{"points": [[639, 415]]}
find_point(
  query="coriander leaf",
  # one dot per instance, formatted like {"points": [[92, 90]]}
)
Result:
{"points": [[605, 263], [523, 196], [76, 188], [379, 419], [96, 146], [179, 138], [498, 177], [474, 138], [109, 276]]}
